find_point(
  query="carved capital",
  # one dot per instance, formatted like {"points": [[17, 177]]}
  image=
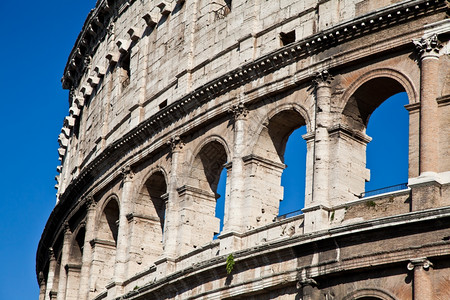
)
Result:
{"points": [[323, 78], [239, 111], [419, 262], [51, 253], [306, 282], [428, 46], [127, 173], [90, 202], [175, 143], [67, 227]]}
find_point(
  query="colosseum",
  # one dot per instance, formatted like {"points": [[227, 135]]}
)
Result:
{"points": [[165, 94]]}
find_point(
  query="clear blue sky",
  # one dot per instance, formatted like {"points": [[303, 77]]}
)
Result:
{"points": [[36, 39]]}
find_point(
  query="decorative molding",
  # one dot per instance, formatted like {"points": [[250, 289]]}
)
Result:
{"points": [[127, 173], [429, 46], [419, 262], [323, 78], [239, 111], [175, 143]]}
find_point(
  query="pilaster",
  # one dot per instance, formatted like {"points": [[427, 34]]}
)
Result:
{"points": [[120, 269], [428, 50], [426, 188], [85, 287], [171, 221], [235, 205], [316, 211], [64, 261], [422, 284], [51, 274]]}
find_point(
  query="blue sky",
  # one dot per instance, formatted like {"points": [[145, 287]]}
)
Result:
{"points": [[36, 39]]}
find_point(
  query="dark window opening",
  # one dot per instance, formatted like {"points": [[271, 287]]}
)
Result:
{"points": [[287, 37], [163, 104], [125, 72]]}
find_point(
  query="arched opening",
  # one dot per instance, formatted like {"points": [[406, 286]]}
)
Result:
{"points": [[268, 160], [149, 221], [220, 201], [109, 223], [380, 100], [201, 194], [73, 268], [104, 245], [387, 153], [293, 177]]}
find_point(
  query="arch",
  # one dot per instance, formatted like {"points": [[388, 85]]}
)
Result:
{"points": [[76, 249], [360, 101], [149, 217], [105, 243], [267, 160], [275, 130], [362, 98], [369, 294], [207, 163], [209, 139], [73, 268], [107, 223], [200, 193]]}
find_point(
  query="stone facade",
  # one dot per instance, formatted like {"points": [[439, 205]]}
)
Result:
{"points": [[165, 94]]}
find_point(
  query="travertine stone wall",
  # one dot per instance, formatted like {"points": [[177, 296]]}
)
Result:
{"points": [[164, 95]]}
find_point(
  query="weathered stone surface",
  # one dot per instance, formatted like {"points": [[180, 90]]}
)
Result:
{"points": [[166, 94]]}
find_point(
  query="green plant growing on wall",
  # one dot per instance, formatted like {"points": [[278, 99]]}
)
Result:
{"points": [[371, 204], [230, 263]]}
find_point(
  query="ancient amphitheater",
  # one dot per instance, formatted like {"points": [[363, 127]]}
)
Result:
{"points": [[165, 94]]}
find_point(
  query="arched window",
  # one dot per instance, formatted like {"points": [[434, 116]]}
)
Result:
{"points": [[220, 202], [387, 153], [293, 178], [268, 163], [369, 98], [149, 216], [73, 268], [200, 195], [104, 245]]}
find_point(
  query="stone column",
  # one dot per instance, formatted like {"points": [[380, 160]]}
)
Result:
{"points": [[120, 270], [64, 261], [422, 284], [171, 219], [42, 286], [234, 206], [426, 188], [87, 249], [428, 49], [316, 212], [51, 273]]}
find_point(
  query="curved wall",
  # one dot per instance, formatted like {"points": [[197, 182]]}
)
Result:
{"points": [[165, 94]]}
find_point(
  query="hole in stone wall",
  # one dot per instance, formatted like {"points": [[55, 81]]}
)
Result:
{"points": [[287, 37], [293, 178], [125, 71], [163, 104], [387, 153], [220, 202]]}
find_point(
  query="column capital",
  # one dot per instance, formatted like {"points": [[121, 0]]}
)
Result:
{"points": [[127, 173], [51, 253], [428, 47], [90, 202], [175, 143], [239, 111], [67, 228], [419, 262], [323, 78]]}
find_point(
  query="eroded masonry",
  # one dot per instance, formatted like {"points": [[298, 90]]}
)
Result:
{"points": [[165, 94]]}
